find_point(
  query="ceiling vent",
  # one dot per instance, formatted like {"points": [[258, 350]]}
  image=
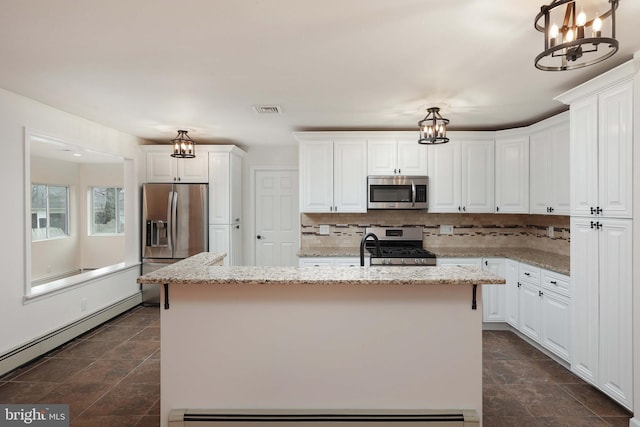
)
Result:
{"points": [[267, 109]]}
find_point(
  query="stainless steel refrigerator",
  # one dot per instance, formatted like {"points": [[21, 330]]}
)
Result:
{"points": [[174, 227]]}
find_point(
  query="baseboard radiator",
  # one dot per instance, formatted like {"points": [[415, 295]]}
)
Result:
{"points": [[319, 418]]}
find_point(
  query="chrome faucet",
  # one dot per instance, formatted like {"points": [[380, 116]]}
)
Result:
{"points": [[362, 243]]}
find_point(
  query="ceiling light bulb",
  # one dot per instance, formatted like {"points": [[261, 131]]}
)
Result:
{"points": [[581, 19], [569, 36], [597, 24], [553, 32]]}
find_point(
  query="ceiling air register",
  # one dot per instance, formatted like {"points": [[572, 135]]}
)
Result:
{"points": [[577, 33]]}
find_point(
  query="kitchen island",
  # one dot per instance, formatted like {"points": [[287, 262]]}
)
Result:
{"points": [[320, 338]]}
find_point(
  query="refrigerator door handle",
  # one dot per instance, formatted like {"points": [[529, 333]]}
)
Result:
{"points": [[170, 222], [174, 222]]}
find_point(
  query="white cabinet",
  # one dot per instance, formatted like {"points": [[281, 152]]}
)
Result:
{"points": [[225, 186], [601, 266], [461, 176], [227, 238], [512, 174], [601, 153], [161, 167], [529, 304], [225, 202], [493, 296], [329, 262], [396, 156], [549, 166], [333, 175]]}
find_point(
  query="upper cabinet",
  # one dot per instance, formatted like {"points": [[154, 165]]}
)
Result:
{"points": [[161, 167], [462, 174], [225, 185], [601, 150], [512, 172], [333, 174], [396, 156], [549, 166], [602, 144]]}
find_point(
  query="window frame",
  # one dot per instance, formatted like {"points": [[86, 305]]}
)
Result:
{"points": [[48, 213]]}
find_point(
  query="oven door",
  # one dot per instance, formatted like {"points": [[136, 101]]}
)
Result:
{"points": [[397, 192]]}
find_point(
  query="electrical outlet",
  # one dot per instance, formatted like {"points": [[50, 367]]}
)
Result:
{"points": [[324, 230], [550, 231], [446, 229]]}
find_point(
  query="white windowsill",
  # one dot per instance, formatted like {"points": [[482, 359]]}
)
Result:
{"points": [[63, 285]]}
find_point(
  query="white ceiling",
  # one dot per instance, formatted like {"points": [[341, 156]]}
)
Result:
{"points": [[151, 67]]}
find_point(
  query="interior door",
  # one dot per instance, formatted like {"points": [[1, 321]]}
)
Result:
{"points": [[277, 217]]}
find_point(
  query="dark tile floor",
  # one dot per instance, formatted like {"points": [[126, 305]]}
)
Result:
{"points": [[111, 377]]}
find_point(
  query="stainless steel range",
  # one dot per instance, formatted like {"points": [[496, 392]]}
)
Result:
{"points": [[399, 246]]}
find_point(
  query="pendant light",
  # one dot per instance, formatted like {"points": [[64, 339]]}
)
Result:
{"points": [[576, 34], [183, 146], [433, 128]]}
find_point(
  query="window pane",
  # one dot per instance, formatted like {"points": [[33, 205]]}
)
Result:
{"points": [[107, 210], [58, 205], [38, 212], [120, 210]]}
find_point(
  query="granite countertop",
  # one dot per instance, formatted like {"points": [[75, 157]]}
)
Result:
{"points": [[547, 260], [199, 269]]}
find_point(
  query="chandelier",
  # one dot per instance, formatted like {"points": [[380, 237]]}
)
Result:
{"points": [[183, 146], [576, 34], [433, 128]]}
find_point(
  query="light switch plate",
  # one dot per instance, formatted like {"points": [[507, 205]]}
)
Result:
{"points": [[446, 229], [324, 230]]}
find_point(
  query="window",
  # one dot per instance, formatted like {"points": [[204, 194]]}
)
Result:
{"points": [[49, 211], [107, 210]]}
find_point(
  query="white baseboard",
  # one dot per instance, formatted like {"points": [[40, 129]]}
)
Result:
{"points": [[44, 344]]}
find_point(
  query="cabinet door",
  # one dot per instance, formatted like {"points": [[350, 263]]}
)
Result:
{"points": [[584, 299], [219, 188], [477, 176], [235, 188], [412, 157], [444, 177], [220, 241], [540, 172], [584, 156], [161, 167], [530, 310], [350, 176], [235, 247], [616, 317], [194, 170], [555, 327], [560, 198], [493, 296], [382, 157], [615, 151], [316, 176], [512, 175], [512, 293]]}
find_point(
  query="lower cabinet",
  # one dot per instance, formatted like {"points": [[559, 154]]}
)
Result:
{"points": [[512, 293], [329, 261], [227, 238]]}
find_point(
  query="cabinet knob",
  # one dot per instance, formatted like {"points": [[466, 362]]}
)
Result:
{"points": [[399, 171], [553, 282], [550, 209], [497, 208], [540, 293], [258, 237], [464, 208], [519, 284], [527, 273]]}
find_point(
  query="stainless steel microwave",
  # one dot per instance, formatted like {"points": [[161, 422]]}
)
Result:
{"points": [[397, 192]]}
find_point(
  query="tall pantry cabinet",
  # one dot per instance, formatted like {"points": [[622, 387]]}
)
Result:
{"points": [[601, 121]]}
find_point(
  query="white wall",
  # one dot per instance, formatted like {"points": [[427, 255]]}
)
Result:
{"points": [[37, 317], [270, 157]]}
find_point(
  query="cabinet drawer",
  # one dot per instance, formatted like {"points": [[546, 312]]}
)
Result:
{"points": [[556, 282], [529, 274], [315, 262]]}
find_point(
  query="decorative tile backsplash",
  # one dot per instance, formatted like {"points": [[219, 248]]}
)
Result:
{"points": [[469, 230]]}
